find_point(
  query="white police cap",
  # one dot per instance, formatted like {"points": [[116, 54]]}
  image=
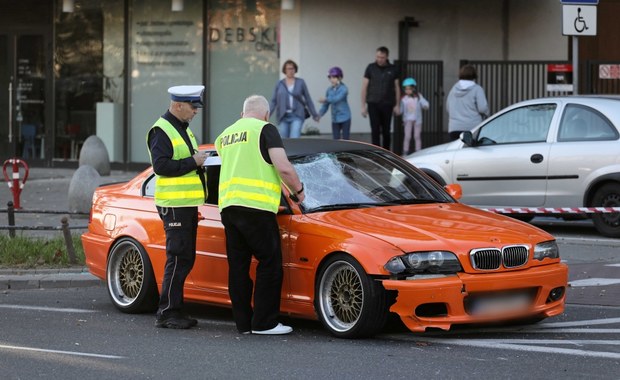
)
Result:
{"points": [[187, 93]]}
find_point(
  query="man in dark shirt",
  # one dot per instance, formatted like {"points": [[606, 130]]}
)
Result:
{"points": [[180, 189], [380, 96]]}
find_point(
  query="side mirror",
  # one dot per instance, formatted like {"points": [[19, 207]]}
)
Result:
{"points": [[454, 189], [467, 138]]}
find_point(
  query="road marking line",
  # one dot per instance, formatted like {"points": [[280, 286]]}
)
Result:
{"points": [[612, 265], [517, 347], [558, 341], [43, 308], [577, 331], [594, 282], [73, 353], [590, 322]]}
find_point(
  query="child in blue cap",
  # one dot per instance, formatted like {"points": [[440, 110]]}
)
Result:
{"points": [[411, 106]]}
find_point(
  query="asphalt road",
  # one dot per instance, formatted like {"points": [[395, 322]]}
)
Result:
{"points": [[76, 333]]}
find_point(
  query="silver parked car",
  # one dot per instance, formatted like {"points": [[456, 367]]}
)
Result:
{"points": [[549, 153]]}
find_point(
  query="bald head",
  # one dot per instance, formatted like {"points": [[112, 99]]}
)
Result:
{"points": [[256, 106]]}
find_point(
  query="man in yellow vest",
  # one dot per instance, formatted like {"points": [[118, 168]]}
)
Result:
{"points": [[254, 164], [179, 190]]}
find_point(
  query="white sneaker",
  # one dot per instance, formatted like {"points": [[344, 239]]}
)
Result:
{"points": [[280, 329]]}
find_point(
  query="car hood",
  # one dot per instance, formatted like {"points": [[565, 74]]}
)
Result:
{"points": [[419, 227], [436, 149]]}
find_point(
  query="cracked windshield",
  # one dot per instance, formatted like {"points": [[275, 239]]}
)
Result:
{"points": [[361, 179]]}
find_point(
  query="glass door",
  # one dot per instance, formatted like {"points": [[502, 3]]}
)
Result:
{"points": [[22, 96]]}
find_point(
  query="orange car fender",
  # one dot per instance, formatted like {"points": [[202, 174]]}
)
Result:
{"points": [[314, 248]]}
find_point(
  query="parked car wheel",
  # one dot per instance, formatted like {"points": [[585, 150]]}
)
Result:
{"points": [[607, 196], [349, 303], [131, 282]]}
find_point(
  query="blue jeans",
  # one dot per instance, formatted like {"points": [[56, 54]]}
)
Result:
{"points": [[290, 126], [344, 127]]}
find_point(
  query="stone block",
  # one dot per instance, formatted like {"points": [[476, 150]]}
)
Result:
{"points": [[95, 154], [82, 187]]}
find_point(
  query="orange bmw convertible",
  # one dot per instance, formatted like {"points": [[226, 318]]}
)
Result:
{"points": [[374, 236]]}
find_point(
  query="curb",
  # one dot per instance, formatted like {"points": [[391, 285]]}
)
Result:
{"points": [[15, 279]]}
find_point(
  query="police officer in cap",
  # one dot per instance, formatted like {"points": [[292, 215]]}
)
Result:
{"points": [[180, 189]]}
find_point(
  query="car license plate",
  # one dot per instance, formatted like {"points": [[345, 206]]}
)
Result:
{"points": [[500, 304]]}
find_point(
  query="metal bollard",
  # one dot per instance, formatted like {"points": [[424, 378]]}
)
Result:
{"points": [[11, 215], [68, 241], [13, 181]]}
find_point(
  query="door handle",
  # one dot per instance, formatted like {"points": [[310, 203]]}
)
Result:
{"points": [[537, 158]]}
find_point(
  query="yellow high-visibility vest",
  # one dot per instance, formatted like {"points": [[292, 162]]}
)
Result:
{"points": [[182, 191], [246, 179]]}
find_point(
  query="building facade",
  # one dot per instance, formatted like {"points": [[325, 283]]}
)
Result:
{"points": [[70, 69]]}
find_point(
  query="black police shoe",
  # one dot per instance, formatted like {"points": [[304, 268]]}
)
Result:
{"points": [[193, 322], [175, 322]]}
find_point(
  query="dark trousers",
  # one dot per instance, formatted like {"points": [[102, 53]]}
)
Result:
{"points": [[341, 130], [181, 226], [380, 115], [253, 233]]}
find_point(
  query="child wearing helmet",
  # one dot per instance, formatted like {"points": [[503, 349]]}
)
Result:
{"points": [[336, 96], [411, 105]]}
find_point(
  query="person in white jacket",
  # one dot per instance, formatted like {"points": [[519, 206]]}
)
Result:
{"points": [[467, 105], [411, 106]]}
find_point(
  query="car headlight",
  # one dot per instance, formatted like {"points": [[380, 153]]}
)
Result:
{"points": [[430, 262], [547, 249]]}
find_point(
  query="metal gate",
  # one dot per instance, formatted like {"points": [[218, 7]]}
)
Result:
{"points": [[504, 83], [509, 82], [429, 77], [602, 77]]}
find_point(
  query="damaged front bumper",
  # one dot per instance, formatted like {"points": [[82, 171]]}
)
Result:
{"points": [[464, 298]]}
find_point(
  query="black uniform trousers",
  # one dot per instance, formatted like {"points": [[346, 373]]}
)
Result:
{"points": [[181, 226], [380, 115], [251, 232]]}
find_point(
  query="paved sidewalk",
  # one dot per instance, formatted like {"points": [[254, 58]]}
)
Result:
{"points": [[47, 189]]}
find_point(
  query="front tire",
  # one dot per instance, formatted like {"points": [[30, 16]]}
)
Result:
{"points": [[608, 224], [130, 279], [348, 302]]}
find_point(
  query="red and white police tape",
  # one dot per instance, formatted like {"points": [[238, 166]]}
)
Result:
{"points": [[553, 210]]}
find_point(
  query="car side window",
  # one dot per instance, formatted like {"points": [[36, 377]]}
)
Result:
{"points": [[581, 123], [148, 188], [212, 169], [524, 124]]}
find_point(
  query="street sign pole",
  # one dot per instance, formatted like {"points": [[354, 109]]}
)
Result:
{"points": [[578, 19], [575, 65]]}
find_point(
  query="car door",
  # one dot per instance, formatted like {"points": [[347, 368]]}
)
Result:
{"points": [[210, 271], [508, 164], [585, 148]]}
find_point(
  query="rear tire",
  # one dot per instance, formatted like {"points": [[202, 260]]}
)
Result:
{"points": [[349, 303], [130, 279], [608, 224]]}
